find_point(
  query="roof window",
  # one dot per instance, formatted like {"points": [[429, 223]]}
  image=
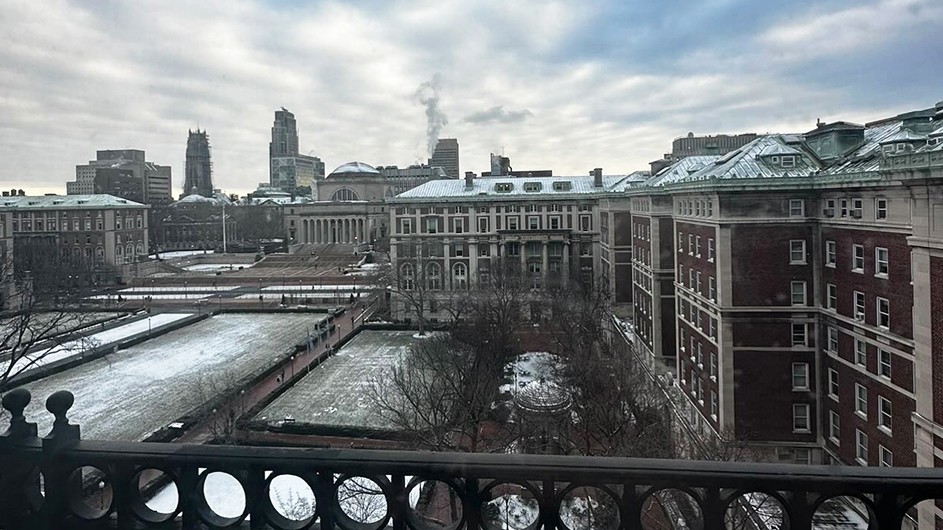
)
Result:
{"points": [[532, 186], [561, 185], [504, 187]]}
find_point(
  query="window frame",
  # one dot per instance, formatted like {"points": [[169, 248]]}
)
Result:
{"points": [[878, 262], [710, 249], [857, 259], [800, 377], [861, 400], [793, 291], [831, 254], [831, 297], [884, 364], [831, 339], [859, 310], [861, 447], [797, 253], [800, 334], [882, 318], [801, 420], [885, 416], [796, 208], [879, 208], [833, 383], [834, 427]]}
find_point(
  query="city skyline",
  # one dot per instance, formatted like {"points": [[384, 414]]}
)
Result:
{"points": [[564, 86]]}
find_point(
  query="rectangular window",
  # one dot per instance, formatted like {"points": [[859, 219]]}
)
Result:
{"points": [[680, 242], [797, 291], [406, 226], [857, 263], [681, 274], [483, 224], [690, 244], [797, 252], [844, 207], [800, 417], [432, 225], [833, 340], [714, 365], [712, 289], [861, 353], [691, 283], [512, 221], [831, 296], [859, 305], [884, 413], [697, 246], [887, 458], [881, 262], [830, 254], [533, 222], [861, 447], [710, 249], [883, 313], [117, 223], [713, 328], [458, 249], [799, 335], [833, 384], [880, 208], [586, 223], [697, 285], [834, 427], [884, 363], [800, 376], [861, 400], [796, 208], [458, 225], [829, 210], [857, 205], [714, 404], [554, 222]]}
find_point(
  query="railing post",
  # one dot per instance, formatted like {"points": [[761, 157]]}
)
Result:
{"points": [[800, 511], [399, 503], [549, 511], [121, 494], [471, 504], [255, 494], [55, 509], [189, 476], [712, 509], [888, 514], [18, 483], [630, 510], [326, 501]]}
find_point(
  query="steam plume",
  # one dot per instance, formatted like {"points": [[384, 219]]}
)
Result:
{"points": [[428, 95]]}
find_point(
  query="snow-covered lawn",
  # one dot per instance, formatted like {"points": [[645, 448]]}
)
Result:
{"points": [[531, 366], [217, 267], [132, 296], [189, 288], [336, 392], [332, 288], [129, 394], [102, 338]]}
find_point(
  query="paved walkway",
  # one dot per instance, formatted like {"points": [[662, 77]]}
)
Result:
{"points": [[345, 326]]}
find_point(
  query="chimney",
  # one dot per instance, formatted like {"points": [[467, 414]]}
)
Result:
{"points": [[597, 177], [469, 180], [658, 165]]}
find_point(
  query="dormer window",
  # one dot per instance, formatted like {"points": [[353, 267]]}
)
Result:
{"points": [[561, 186], [788, 161], [902, 147], [531, 187], [503, 187]]}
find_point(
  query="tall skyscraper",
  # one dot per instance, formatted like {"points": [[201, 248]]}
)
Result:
{"points": [[199, 168], [123, 173], [288, 169], [446, 156]]}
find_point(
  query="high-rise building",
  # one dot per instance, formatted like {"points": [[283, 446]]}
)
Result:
{"points": [[288, 169], [123, 173], [199, 168], [446, 156]]}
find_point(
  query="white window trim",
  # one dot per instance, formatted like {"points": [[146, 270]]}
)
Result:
{"points": [[877, 312], [805, 294], [877, 262], [808, 419], [854, 254], [858, 435], [860, 316], [804, 367], [831, 254], [829, 289], [833, 395], [831, 436], [861, 413], [885, 428], [801, 260]]}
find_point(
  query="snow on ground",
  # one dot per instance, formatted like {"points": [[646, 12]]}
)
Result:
{"points": [[217, 267], [178, 288], [335, 393], [102, 338], [531, 366], [131, 393], [194, 296], [182, 254], [332, 288]]}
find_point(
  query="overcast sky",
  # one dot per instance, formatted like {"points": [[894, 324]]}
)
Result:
{"points": [[566, 86]]}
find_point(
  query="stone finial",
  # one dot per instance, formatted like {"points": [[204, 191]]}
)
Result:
{"points": [[15, 401], [62, 431]]}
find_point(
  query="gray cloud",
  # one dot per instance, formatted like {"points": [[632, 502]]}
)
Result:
{"points": [[497, 114]]}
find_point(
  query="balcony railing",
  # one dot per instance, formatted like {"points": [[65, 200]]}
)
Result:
{"points": [[60, 481]]}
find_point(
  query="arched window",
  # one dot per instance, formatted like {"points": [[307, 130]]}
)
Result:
{"points": [[344, 194], [140, 249], [119, 251], [434, 276], [130, 252], [460, 276], [100, 255], [407, 277]]}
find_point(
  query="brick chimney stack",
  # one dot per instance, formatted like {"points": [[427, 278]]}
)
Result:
{"points": [[597, 177]]}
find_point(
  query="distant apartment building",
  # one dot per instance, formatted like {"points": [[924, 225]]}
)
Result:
{"points": [[198, 171], [400, 180], [123, 173], [288, 169], [501, 167], [446, 156]]}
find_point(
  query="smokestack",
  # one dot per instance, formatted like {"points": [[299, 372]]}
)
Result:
{"points": [[469, 180], [597, 177]]}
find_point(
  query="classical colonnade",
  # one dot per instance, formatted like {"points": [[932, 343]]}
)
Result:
{"points": [[343, 230]]}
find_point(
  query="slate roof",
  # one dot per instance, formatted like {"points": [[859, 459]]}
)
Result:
{"points": [[66, 202], [484, 187]]}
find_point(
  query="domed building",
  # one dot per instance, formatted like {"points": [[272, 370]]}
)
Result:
{"points": [[353, 181]]}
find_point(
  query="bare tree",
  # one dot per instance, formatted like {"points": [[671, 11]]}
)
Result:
{"points": [[440, 392], [223, 402], [617, 409], [413, 279]]}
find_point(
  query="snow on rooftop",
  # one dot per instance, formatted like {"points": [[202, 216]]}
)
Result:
{"points": [[546, 187], [129, 394], [336, 392]]}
